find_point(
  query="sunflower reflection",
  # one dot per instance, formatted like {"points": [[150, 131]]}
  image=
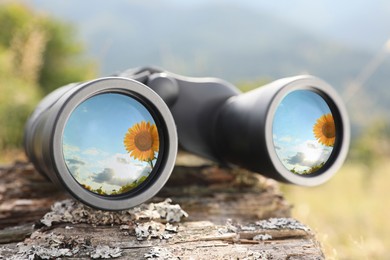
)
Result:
{"points": [[324, 130], [142, 141]]}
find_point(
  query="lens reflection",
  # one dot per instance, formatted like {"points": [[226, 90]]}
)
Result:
{"points": [[110, 144], [303, 132]]}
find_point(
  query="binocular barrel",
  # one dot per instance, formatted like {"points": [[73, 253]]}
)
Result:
{"points": [[112, 142], [294, 130]]}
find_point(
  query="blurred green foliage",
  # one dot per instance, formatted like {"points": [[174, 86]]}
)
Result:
{"points": [[372, 144], [310, 170], [249, 85], [37, 55], [130, 186], [123, 189]]}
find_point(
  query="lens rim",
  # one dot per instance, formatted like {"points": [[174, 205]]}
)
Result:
{"points": [[168, 146], [339, 113], [160, 152]]}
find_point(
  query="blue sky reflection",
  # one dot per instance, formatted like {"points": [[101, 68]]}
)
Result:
{"points": [[93, 145], [294, 140]]}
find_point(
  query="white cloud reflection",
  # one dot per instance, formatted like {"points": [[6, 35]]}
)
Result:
{"points": [[92, 168], [303, 156]]}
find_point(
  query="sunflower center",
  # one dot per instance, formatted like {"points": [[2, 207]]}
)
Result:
{"points": [[328, 129], [143, 140]]}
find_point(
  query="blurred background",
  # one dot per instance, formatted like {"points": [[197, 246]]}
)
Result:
{"points": [[47, 44]]}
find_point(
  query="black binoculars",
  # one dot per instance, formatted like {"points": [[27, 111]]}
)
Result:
{"points": [[112, 142]]}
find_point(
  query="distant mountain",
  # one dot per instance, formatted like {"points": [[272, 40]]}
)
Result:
{"points": [[230, 41], [215, 39], [359, 24]]}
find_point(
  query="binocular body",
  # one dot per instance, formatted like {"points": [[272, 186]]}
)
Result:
{"points": [[112, 142]]}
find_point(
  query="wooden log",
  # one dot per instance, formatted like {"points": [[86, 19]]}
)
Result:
{"points": [[25, 195], [225, 209], [74, 230]]}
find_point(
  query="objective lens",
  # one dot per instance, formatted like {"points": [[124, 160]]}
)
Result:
{"points": [[304, 132], [111, 144]]}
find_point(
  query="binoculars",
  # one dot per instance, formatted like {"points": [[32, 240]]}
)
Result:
{"points": [[112, 142]]}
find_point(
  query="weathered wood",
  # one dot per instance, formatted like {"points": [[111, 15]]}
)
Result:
{"points": [[74, 230], [224, 207], [196, 240], [16, 234]]}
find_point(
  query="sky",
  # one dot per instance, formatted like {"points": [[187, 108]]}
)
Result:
{"points": [[343, 21], [346, 22], [294, 140], [93, 141]]}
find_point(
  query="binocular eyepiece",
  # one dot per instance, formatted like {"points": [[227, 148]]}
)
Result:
{"points": [[112, 142]]}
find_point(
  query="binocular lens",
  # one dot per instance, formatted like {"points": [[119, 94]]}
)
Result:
{"points": [[111, 144], [294, 130], [304, 132]]}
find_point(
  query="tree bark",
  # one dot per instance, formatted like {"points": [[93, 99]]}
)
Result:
{"points": [[232, 214]]}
